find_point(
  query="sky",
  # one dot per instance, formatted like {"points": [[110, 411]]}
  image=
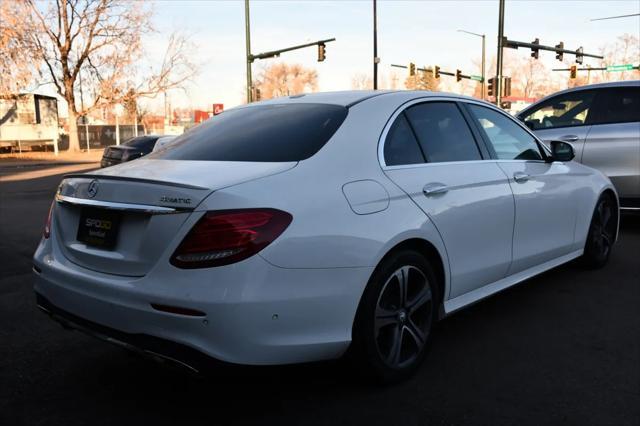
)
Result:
{"points": [[423, 32]]}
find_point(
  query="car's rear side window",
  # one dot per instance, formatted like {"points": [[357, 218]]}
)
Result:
{"points": [[442, 132], [620, 105], [262, 133], [401, 146]]}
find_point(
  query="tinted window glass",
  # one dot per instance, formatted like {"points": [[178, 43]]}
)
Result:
{"points": [[571, 109], [401, 146], [620, 105], [509, 140], [264, 133], [442, 132]]}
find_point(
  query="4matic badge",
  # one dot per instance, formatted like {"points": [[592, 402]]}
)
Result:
{"points": [[175, 200]]}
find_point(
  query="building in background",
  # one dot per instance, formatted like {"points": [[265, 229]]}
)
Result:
{"points": [[28, 121]]}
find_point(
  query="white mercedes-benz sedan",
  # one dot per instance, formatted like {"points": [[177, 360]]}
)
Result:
{"points": [[313, 226]]}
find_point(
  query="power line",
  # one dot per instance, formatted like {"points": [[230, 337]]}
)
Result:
{"points": [[615, 17]]}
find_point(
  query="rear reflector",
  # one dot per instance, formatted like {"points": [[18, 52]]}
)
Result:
{"points": [[178, 310], [228, 236]]}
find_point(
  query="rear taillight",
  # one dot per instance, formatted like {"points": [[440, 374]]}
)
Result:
{"points": [[228, 236], [47, 225]]}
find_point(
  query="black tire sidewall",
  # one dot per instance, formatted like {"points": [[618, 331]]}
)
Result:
{"points": [[592, 258], [364, 347]]}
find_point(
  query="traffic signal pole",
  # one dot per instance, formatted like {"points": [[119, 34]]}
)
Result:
{"points": [[375, 46], [248, 45], [500, 41], [273, 53]]}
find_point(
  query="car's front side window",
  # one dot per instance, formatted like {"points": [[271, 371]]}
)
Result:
{"points": [[571, 109], [443, 132], [508, 139]]}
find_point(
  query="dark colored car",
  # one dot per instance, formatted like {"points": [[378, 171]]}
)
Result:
{"points": [[130, 150]]}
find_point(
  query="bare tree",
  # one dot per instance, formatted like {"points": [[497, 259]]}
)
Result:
{"points": [[100, 42], [17, 66], [422, 80], [361, 81], [625, 50], [281, 79], [531, 77]]}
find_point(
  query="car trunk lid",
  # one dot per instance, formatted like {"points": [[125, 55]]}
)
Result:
{"points": [[122, 219]]}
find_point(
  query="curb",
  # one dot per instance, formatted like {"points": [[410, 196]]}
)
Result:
{"points": [[43, 164]]}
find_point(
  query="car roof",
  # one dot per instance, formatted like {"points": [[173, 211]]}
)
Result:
{"points": [[353, 97]]}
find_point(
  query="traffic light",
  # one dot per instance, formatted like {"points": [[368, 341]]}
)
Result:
{"points": [[412, 69], [560, 55], [321, 52], [436, 71], [458, 75], [573, 72], [506, 90], [535, 52], [579, 56], [491, 87]]}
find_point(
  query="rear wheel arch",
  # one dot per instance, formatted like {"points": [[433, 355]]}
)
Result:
{"points": [[431, 254]]}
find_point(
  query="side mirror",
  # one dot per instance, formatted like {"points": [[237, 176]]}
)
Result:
{"points": [[562, 151]]}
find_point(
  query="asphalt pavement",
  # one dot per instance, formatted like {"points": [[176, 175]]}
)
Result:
{"points": [[562, 348]]}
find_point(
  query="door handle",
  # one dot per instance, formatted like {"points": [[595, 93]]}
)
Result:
{"points": [[569, 138], [520, 177], [431, 189]]}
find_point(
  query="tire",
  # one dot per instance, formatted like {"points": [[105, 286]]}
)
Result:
{"points": [[602, 232], [391, 333]]}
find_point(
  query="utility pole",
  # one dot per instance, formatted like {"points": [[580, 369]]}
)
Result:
{"points": [[248, 45], [483, 59], [499, 64], [375, 46]]}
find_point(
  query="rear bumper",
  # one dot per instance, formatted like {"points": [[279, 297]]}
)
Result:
{"points": [[145, 345], [254, 313]]}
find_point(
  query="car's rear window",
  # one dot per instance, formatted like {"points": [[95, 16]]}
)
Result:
{"points": [[263, 133], [142, 142]]}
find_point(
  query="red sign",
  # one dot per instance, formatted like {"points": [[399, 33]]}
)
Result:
{"points": [[218, 108], [200, 116]]}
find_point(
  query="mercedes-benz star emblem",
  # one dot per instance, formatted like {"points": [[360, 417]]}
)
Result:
{"points": [[92, 189]]}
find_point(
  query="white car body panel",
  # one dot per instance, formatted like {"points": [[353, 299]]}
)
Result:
{"points": [[296, 300]]}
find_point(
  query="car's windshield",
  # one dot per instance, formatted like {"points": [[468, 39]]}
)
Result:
{"points": [[262, 133]]}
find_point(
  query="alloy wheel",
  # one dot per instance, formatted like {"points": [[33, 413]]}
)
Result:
{"points": [[603, 230], [403, 316]]}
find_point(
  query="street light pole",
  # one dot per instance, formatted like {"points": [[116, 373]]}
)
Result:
{"points": [[499, 62], [484, 79], [248, 45], [375, 46], [483, 59]]}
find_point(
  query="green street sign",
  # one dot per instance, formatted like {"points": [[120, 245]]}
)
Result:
{"points": [[625, 67], [476, 78]]}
